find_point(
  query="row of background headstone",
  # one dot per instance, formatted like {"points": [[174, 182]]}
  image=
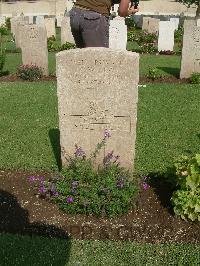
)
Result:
{"points": [[118, 35]]}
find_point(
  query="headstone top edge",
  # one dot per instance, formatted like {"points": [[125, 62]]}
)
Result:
{"points": [[97, 49]]}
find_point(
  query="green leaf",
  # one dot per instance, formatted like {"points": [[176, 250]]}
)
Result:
{"points": [[193, 181], [198, 159], [197, 208]]}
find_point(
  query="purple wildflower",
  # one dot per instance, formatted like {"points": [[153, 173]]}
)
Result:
{"points": [[74, 183], [73, 191], [120, 183], [145, 186], [70, 200], [116, 158], [145, 177], [107, 134], [42, 189], [79, 151], [35, 178], [54, 192], [108, 158], [32, 178]]}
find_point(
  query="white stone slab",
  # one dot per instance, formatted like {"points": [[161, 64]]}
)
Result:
{"points": [[98, 89], [166, 36]]}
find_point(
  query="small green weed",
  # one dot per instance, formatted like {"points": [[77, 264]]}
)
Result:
{"points": [[195, 78]]}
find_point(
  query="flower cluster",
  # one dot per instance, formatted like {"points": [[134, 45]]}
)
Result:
{"points": [[110, 158], [86, 189], [79, 152], [145, 185], [44, 187], [29, 72]]}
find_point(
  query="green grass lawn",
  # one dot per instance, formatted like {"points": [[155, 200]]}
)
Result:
{"points": [[168, 125], [167, 65], [24, 250]]}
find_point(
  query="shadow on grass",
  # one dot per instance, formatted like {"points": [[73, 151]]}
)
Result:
{"points": [[25, 243], [164, 184], [54, 135], [171, 70]]}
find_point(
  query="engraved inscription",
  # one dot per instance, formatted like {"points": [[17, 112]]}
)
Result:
{"points": [[102, 118], [113, 123]]}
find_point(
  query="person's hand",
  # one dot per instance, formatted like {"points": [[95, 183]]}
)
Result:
{"points": [[132, 10]]}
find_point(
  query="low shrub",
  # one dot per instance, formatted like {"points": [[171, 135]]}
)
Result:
{"points": [[195, 78], [52, 44], [107, 190], [2, 61], [3, 33], [154, 74], [129, 21], [8, 23], [148, 42], [29, 72], [167, 52], [132, 35], [67, 46], [178, 34], [186, 198]]}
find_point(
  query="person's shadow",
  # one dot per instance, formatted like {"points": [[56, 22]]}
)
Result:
{"points": [[25, 243]]}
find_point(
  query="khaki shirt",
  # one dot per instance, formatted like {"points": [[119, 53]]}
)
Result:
{"points": [[100, 6]]}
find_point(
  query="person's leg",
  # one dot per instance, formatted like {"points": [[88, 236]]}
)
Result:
{"points": [[75, 17], [95, 29]]}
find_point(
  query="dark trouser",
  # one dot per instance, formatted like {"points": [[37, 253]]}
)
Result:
{"points": [[89, 28]]}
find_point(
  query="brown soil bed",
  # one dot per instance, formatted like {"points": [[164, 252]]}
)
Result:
{"points": [[14, 78], [165, 79], [152, 221], [143, 80]]}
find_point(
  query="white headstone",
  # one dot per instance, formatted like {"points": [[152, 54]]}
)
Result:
{"points": [[117, 34], [175, 21], [13, 22], [116, 7], [66, 34], [191, 49], [30, 19], [2, 21], [34, 47], [40, 20], [166, 36], [19, 32], [151, 25], [59, 21], [50, 27], [98, 90]]}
